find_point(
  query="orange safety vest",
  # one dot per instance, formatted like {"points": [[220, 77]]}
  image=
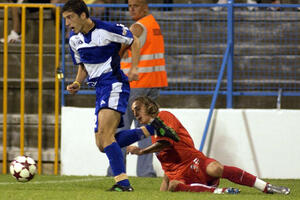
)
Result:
{"points": [[152, 67]]}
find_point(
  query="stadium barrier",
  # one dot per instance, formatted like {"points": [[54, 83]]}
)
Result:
{"points": [[256, 140], [41, 8]]}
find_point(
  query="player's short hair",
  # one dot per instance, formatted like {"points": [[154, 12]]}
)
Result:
{"points": [[152, 108], [76, 6]]}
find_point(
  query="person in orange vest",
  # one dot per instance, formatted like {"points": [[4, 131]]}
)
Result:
{"points": [[152, 72]]}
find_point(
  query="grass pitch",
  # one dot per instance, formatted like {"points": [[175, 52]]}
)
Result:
{"points": [[94, 187]]}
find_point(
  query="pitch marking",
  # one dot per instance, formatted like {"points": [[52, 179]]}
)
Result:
{"points": [[54, 181]]}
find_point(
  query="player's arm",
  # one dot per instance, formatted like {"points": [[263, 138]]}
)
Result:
{"points": [[156, 147], [133, 74], [137, 30], [164, 184], [81, 75]]}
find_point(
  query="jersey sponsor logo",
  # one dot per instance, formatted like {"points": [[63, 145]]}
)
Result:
{"points": [[92, 84], [196, 165]]}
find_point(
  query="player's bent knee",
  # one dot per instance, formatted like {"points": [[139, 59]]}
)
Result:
{"points": [[215, 169], [101, 148], [102, 140]]}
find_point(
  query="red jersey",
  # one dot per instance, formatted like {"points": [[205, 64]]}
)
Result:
{"points": [[182, 161], [181, 156]]}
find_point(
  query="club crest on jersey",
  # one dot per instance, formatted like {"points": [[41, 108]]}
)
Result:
{"points": [[124, 29]]}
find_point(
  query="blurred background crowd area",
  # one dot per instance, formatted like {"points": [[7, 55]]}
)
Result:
{"points": [[181, 1]]}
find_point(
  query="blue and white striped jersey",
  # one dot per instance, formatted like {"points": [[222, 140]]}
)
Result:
{"points": [[99, 49]]}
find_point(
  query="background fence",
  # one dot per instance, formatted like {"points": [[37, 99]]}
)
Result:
{"points": [[265, 48], [24, 69]]}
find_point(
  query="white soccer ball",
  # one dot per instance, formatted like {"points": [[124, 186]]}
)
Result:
{"points": [[23, 168]]}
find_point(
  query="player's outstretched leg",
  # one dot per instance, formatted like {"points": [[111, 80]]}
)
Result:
{"points": [[242, 177], [177, 186], [163, 130], [271, 189]]}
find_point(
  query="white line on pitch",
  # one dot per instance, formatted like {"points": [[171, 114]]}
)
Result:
{"points": [[54, 181]]}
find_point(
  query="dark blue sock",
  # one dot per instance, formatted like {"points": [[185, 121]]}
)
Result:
{"points": [[128, 137], [150, 129], [116, 161]]}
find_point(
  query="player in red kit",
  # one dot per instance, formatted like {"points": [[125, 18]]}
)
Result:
{"points": [[186, 168]]}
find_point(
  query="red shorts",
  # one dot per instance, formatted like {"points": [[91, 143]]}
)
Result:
{"points": [[196, 173]]}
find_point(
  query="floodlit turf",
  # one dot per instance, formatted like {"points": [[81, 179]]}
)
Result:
{"points": [[93, 187]]}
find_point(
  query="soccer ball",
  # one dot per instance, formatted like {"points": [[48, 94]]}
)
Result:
{"points": [[23, 168]]}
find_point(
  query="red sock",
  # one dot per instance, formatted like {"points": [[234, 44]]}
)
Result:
{"points": [[194, 188], [238, 176]]}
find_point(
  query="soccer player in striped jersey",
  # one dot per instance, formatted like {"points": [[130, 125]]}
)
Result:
{"points": [[186, 168], [96, 47]]}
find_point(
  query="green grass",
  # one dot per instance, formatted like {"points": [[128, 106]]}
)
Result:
{"points": [[93, 187]]}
